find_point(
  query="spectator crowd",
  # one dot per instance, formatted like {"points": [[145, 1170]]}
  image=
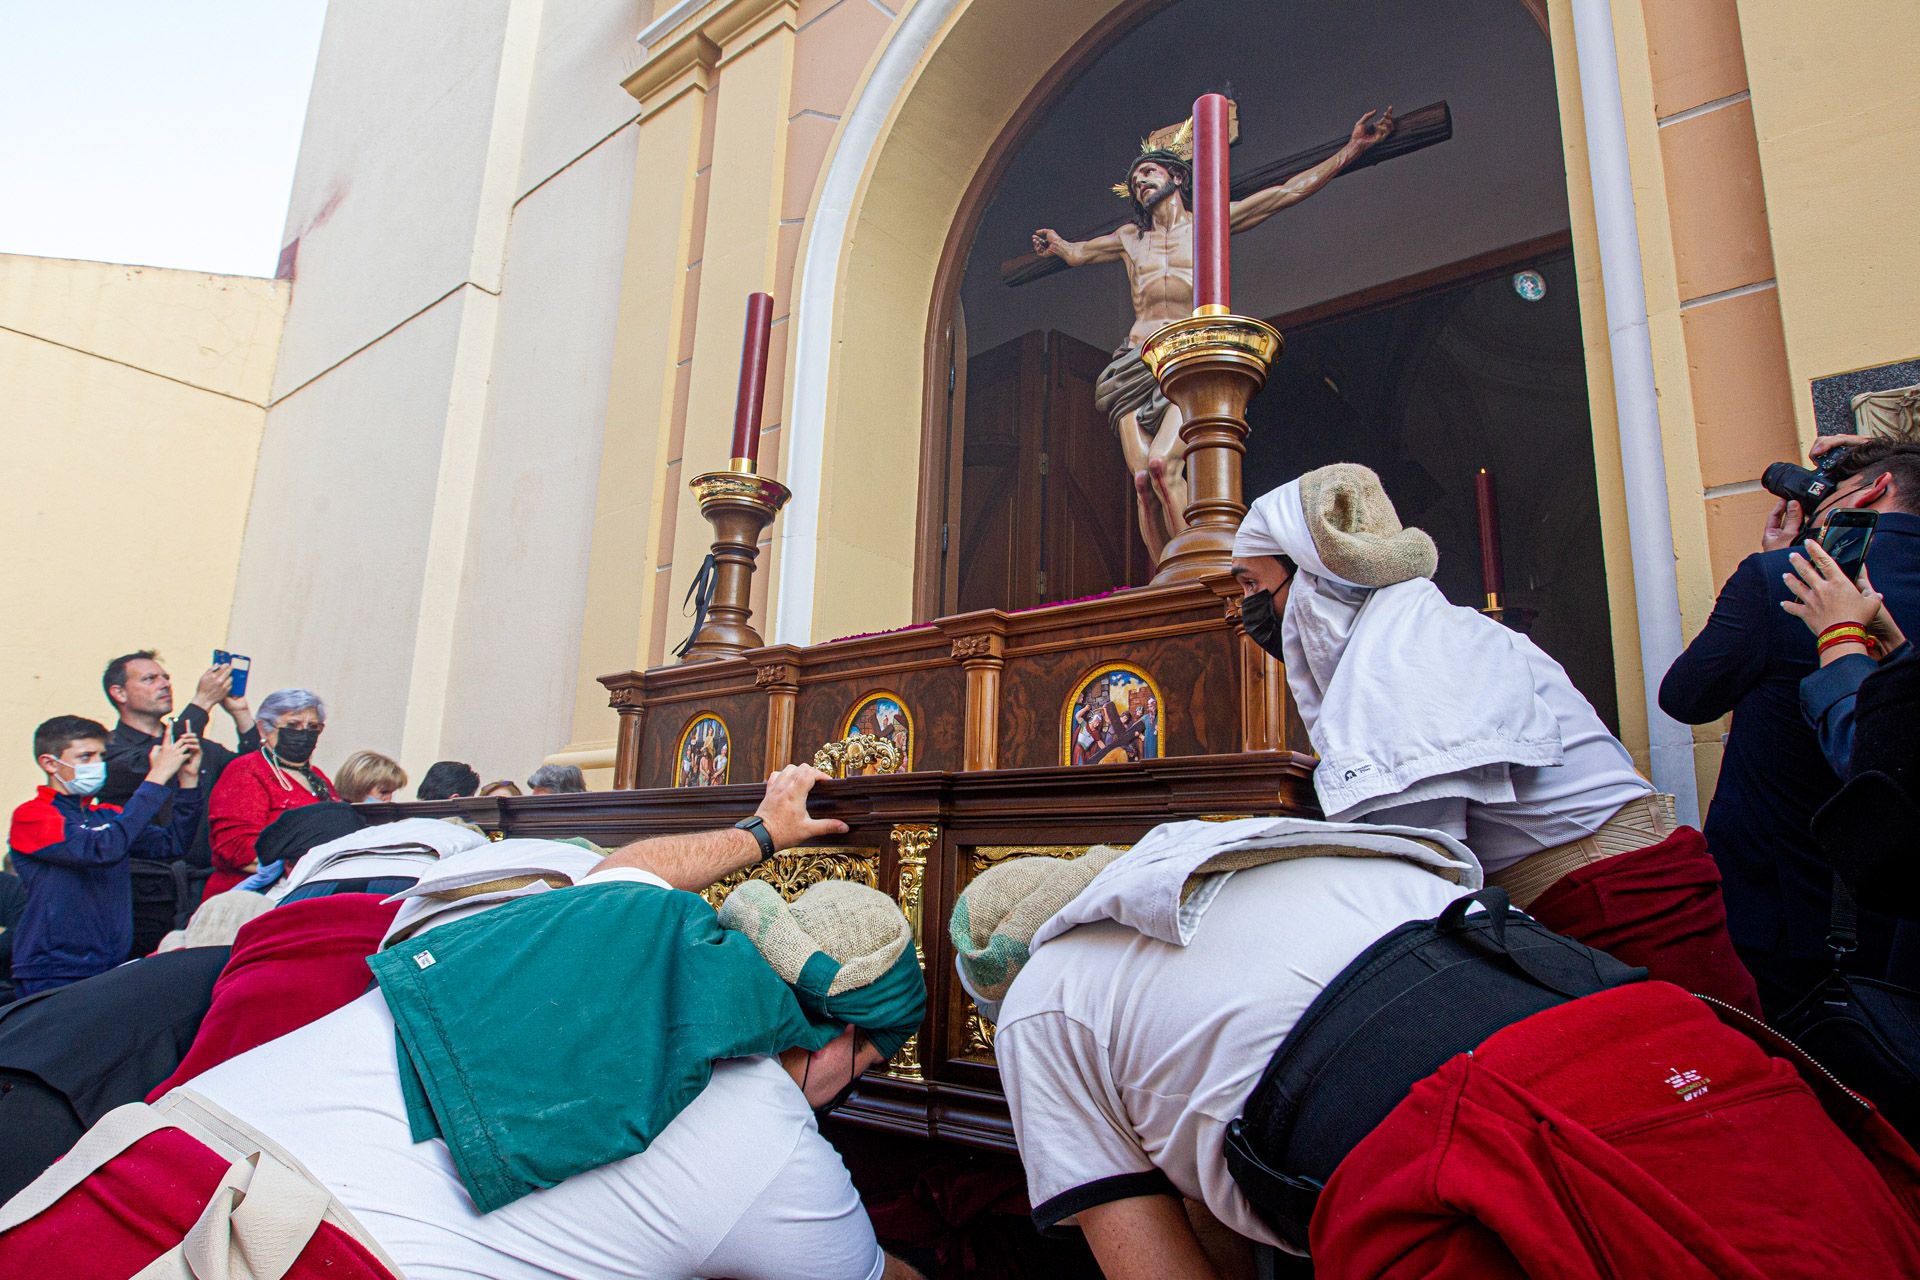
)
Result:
{"points": [[139, 827], [1498, 1012]]}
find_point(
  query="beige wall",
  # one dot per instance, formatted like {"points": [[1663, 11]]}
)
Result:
{"points": [[1833, 88], [134, 406], [417, 551]]}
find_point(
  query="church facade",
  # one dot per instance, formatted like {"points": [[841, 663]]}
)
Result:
{"points": [[1656, 239]]}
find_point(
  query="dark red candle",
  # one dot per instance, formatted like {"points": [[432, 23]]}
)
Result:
{"points": [[753, 378], [1491, 570], [1210, 202]]}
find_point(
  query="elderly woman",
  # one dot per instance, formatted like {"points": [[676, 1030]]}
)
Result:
{"points": [[261, 785]]}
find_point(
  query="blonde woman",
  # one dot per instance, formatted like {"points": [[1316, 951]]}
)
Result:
{"points": [[369, 778]]}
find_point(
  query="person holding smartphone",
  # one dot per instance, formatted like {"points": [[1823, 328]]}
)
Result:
{"points": [[141, 691], [1750, 660], [1854, 633]]}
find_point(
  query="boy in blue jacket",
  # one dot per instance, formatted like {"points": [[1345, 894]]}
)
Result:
{"points": [[71, 851]]}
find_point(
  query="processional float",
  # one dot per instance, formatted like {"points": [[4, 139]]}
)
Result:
{"points": [[971, 739]]}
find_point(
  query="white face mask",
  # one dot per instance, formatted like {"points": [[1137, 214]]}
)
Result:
{"points": [[87, 778]]}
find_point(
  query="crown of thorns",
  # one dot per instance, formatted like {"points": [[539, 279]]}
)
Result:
{"points": [[1175, 142]]}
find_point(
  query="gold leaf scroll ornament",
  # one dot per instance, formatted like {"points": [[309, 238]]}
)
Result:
{"points": [[855, 754]]}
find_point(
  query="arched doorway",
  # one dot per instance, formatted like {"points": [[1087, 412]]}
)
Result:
{"points": [[1411, 349], [931, 133]]}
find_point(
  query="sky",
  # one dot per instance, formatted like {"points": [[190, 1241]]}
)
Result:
{"points": [[162, 134]]}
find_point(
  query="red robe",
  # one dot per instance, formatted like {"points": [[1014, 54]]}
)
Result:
{"points": [[1626, 1134], [141, 1204], [294, 965], [1657, 907]]}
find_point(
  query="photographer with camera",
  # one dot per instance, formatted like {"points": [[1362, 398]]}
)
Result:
{"points": [[1750, 660]]}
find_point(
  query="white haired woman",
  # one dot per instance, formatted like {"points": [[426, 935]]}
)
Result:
{"points": [[261, 785]]}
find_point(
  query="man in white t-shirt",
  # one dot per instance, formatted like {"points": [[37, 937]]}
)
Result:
{"points": [[741, 1184], [1134, 1024]]}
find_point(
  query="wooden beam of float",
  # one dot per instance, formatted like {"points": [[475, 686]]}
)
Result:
{"points": [[1210, 365]]}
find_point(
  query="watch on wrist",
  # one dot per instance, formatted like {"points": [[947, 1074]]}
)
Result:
{"points": [[758, 830]]}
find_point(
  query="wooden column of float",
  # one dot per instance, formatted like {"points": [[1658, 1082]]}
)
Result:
{"points": [[982, 654]]}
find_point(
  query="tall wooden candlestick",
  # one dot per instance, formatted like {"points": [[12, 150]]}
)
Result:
{"points": [[1211, 274], [1210, 366], [1492, 571], [745, 455], [738, 506]]}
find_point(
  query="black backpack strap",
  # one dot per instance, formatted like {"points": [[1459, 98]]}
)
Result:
{"points": [[1568, 969], [1843, 924]]}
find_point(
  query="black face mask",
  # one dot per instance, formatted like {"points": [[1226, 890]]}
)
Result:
{"points": [[295, 746], [1261, 623]]}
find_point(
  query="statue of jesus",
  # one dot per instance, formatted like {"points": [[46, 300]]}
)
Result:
{"points": [[1157, 249]]}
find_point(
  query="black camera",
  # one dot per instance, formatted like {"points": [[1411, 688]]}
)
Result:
{"points": [[1807, 486]]}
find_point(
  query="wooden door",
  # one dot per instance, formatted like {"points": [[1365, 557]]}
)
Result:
{"points": [[997, 552], [1045, 508], [1090, 541]]}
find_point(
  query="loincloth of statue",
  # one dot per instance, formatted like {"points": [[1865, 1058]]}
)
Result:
{"points": [[1126, 386]]}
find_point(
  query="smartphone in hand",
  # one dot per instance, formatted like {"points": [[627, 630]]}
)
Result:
{"points": [[241, 664], [1847, 536]]}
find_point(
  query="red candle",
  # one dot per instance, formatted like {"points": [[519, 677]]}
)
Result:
{"points": [[1491, 571], [1210, 202], [753, 379]]}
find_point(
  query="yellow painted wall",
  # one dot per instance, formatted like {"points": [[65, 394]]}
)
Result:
{"points": [[133, 411], [1834, 93]]}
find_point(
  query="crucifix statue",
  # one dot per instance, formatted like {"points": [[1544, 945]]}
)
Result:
{"points": [[1156, 247]]}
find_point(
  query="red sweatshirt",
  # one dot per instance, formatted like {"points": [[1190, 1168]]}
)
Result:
{"points": [[294, 965], [248, 797], [1626, 1134]]}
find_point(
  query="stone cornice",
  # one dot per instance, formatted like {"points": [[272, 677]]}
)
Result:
{"points": [[690, 39]]}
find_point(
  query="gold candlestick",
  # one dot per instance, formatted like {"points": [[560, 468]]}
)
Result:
{"points": [[739, 504], [1210, 365]]}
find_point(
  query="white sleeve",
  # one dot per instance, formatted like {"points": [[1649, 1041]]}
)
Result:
{"points": [[807, 1224], [1076, 1142], [1448, 815]]}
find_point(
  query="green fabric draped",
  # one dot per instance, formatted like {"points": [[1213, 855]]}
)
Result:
{"points": [[564, 1031]]}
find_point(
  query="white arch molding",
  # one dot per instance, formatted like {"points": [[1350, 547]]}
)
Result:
{"points": [[821, 257]]}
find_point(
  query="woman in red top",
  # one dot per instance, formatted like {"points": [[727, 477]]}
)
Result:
{"points": [[261, 785]]}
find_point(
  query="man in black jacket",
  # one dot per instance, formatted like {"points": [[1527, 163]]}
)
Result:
{"points": [[142, 693], [1749, 660]]}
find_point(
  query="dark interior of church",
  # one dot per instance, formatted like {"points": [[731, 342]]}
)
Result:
{"points": [[1428, 304]]}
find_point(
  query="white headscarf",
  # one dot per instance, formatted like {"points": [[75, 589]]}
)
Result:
{"points": [[1424, 689], [1322, 607]]}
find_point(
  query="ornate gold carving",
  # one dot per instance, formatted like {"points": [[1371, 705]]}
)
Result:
{"points": [[769, 495], [982, 856], [979, 1038], [972, 646], [911, 844], [1233, 609], [854, 754], [1235, 337], [792, 873]]}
